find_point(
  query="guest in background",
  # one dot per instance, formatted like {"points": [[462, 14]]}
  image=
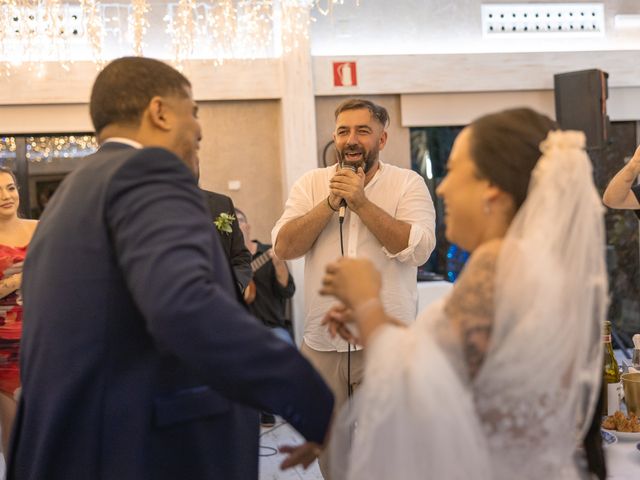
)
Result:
{"points": [[226, 223], [267, 293], [138, 361], [623, 192], [390, 219], [15, 235], [272, 284], [507, 367], [44, 192]]}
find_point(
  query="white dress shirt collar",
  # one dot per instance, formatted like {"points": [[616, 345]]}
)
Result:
{"points": [[126, 141]]}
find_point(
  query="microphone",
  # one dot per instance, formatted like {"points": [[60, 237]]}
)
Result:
{"points": [[343, 203], [342, 211]]}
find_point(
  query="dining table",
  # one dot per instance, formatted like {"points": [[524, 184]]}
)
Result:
{"points": [[429, 292], [623, 460]]}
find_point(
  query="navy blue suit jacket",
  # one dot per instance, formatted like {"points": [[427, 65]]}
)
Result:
{"points": [[137, 360], [232, 243]]}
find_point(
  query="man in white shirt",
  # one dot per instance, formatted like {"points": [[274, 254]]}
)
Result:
{"points": [[389, 219]]}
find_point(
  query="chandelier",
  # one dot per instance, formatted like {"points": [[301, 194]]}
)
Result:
{"points": [[37, 31]]}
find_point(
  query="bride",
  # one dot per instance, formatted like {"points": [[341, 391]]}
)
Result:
{"points": [[499, 379]]}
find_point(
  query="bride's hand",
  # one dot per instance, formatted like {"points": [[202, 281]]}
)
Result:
{"points": [[340, 321], [352, 281]]}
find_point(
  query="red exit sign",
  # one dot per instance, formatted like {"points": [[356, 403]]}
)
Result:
{"points": [[344, 74]]}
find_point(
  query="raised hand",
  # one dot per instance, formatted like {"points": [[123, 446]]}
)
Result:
{"points": [[13, 269], [349, 185], [340, 321], [277, 262], [352, 281], [280, 266]]}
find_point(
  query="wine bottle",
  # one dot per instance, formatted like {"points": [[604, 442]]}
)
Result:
{"points": [[611, 386], [636, 354]]}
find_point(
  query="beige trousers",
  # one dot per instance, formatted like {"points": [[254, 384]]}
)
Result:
{"points": [[333, 368]]}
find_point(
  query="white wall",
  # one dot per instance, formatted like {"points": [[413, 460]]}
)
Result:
{"points": [[481, 72], [392, 27], [443, 109], [36, 118]]}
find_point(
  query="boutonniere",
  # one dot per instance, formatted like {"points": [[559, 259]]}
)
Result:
{"points": [[224, 221]]}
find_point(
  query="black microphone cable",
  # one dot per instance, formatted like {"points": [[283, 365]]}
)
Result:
{"points": [[342, 210], [341, 214], [341, 221]]}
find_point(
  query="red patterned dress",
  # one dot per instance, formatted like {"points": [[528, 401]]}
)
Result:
{"points": [[10, 322]]}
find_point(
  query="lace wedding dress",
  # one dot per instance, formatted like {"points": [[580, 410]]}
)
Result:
{"points": [[419, 416]]}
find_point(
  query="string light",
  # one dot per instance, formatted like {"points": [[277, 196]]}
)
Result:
{"points": [[295, 23], [7, 147], [328, 9], [221, 21], [93, 24], [255, 28], [31, 31], [138, 24], [46, 148], [37, 31], [181, 26]]}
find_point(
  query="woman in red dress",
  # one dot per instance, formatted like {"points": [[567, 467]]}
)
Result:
{"points": [[15, 235]]}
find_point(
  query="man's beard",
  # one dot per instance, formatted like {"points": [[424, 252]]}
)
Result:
{"points": [[369, 158]]}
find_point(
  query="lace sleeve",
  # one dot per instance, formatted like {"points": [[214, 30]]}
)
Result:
{"points": [[470, 308], [412, 414]]}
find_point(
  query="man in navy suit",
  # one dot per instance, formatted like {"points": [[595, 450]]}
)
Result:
{"points": [[137, 360], [233, 241]]}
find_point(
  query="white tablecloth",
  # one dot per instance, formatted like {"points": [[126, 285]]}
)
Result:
{"points": [[623, 461], [429, 292]]}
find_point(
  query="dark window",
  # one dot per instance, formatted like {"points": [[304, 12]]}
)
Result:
{"points": [[430, 149]]}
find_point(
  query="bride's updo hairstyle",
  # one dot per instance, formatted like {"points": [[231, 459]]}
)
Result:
{"points": [[505, 146]]}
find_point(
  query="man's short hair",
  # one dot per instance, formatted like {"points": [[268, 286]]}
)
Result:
{"points": [[378, 112], [124, 88]]}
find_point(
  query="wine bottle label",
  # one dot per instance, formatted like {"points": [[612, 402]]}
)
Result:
{"points": [[614, 395], [606, 339]]}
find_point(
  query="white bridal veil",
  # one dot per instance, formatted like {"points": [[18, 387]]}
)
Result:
{"points": [[529, 406]]}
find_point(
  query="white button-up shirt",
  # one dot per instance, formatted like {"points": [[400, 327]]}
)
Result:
{"points": [[401, 193]]}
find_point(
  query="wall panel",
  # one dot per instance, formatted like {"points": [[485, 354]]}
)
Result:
{"points": [[241, 141]]}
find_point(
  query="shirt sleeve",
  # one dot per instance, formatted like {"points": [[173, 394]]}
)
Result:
{"points": [[286, 291], [416, 209], [299, 203], [280, 291]]}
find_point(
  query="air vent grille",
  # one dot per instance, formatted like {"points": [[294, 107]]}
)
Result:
{"points": [[557, 19]]}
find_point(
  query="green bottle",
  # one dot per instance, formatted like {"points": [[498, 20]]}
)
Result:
{"points": [[611, 386]]}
